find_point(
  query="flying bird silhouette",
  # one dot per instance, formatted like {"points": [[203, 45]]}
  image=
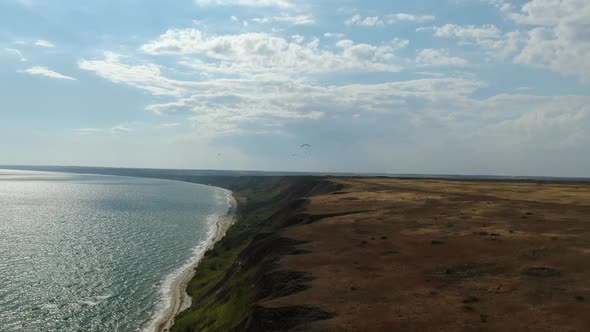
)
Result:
{"points": [[305, 145]]}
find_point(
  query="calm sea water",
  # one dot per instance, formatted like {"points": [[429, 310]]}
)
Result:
{"points": [[96, 253]]}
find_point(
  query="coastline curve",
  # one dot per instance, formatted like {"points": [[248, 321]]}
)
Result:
{"points": [[174, 287]]}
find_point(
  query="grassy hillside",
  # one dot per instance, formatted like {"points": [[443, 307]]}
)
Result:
{"points": [[235, 273]]}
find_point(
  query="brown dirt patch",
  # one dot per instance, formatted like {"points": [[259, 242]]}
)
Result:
{"points": [[413, 255]]}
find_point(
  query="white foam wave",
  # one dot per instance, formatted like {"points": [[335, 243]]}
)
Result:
{"points": [[167, 286], [49, 306], [89, 303], [95, 300]]}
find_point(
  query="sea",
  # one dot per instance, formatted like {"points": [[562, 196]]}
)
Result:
{"points": [[97, 253]]}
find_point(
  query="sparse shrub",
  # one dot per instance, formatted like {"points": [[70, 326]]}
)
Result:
{"points": [[468, 308], [471, 299], [542, 272]]}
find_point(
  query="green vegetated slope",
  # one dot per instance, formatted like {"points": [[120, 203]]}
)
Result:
{"points": [[228, 280]]}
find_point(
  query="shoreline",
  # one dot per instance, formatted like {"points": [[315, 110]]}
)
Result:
{"points": [[180, 300]]}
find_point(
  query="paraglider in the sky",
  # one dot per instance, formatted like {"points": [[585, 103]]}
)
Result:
{"points": [[304, 150]]}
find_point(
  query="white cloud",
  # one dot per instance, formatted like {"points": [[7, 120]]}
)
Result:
{"points": [[430, 73], [44, 43], [143, 76], [438, 58], [285, 18], [42, 71], [251, 3], [235, 19], [402, 17], [550, 12], [258, 98], [16, 52], [120, 129], [222, 107], [298, 39], [552, 34], [468, 32], [487, 37], [560, 36], [432, 114], [88, 131], [264, 53], [218, 106], [115, 130], [334, 35], [250, 82], [503, 5], [541, 121], [372, 21], [378, 21], [504, 47], [170, 125]]}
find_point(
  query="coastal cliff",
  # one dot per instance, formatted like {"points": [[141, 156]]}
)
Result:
{"points": [[241, 270], [378, 254], [392, 254]]}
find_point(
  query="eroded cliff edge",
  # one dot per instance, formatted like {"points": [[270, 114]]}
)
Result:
{"points": [[379, 254], [240, 273]]}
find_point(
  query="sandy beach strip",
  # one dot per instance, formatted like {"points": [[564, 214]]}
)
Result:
{"points": [[180, 300]]}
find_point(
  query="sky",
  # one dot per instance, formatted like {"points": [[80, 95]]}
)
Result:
{"points": [[428, 86]]}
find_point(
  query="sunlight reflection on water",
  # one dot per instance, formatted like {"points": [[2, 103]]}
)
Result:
{"points": [[85, 252]]}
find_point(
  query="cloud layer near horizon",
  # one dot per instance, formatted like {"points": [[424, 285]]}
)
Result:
{"points": [[380, 82], [42, 71]]}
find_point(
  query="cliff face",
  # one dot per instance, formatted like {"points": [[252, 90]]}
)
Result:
{"points": [[242, 271]]}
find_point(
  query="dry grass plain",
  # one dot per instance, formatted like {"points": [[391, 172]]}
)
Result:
{"points": [[434, 255]]}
